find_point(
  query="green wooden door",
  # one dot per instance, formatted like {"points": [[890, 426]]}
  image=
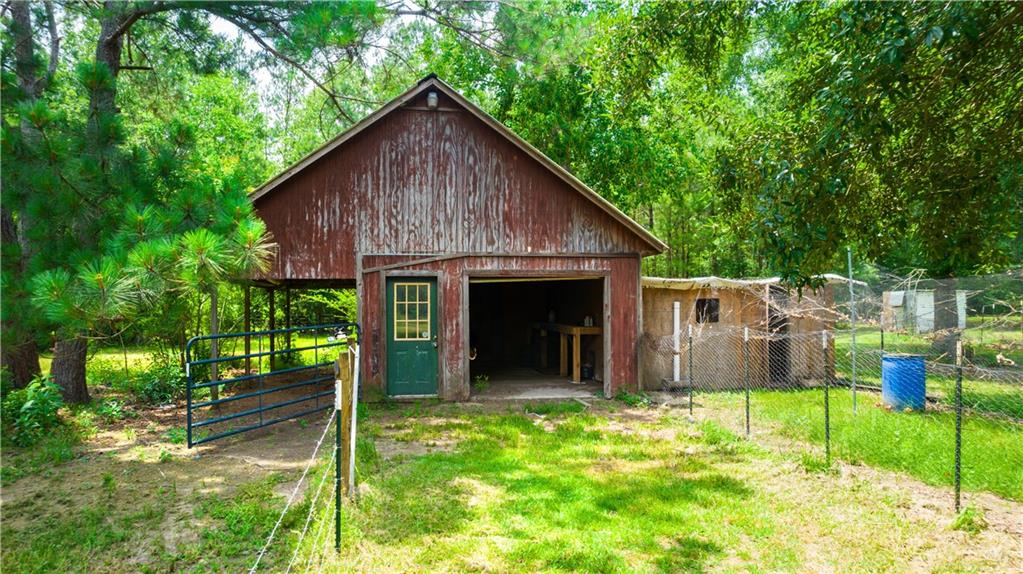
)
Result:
{"points": [[411, 337]]}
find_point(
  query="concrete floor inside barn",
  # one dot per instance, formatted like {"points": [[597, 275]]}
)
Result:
{"points": [[525, 384]]}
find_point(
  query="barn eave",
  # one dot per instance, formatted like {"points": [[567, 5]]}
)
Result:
{"points": [[433, 82]]}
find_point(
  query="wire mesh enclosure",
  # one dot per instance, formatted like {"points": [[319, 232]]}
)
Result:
{"points": [[829, 375]]}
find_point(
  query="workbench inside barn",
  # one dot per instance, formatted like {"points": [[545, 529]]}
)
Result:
{"points": [[573, 332]]}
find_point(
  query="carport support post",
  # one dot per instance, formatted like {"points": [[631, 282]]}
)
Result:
{"points": [[287, 317], [959, 414], [745, 371], [692, 377], [337, 455], [272, 316], [247, 311], [827, 406]]}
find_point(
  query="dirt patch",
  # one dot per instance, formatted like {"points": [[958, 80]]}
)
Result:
{"points": [[132, 466], [389, 448]]}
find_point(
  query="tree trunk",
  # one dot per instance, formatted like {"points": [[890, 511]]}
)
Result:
{"points": [[22, 360], [108, 51], [68, 369], [20, 354]]}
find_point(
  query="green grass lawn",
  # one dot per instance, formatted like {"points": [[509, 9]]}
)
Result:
{"points": [[985, 337], [457, 489], [919, 444], [996, 391]]}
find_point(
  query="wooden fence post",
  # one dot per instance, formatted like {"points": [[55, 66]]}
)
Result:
{"points": [[344, 369]]}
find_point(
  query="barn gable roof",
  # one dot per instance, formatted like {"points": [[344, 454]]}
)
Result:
{"points": [[433, 82]]}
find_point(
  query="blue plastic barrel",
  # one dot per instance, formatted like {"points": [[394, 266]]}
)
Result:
{"points": [[903, 382]]}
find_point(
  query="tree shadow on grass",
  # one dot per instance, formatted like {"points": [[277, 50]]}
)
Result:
{"points": [[563, 504]]}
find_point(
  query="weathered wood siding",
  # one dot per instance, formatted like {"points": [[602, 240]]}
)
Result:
{"points": [[621, 311], [426, 181], [441, 183]]}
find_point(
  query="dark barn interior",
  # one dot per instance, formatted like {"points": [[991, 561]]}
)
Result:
{"points": [[508, 339]]}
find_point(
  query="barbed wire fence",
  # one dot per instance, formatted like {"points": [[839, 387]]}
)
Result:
{"points": [[913, 375]]}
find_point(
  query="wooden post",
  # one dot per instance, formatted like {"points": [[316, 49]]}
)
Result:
{"points": [[287, 317], [247, 307], [576, 358], [344, 373], [214, 343], [271, 292]]}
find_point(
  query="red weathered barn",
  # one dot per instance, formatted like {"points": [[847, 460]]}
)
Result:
{"points": [[474, 255]]}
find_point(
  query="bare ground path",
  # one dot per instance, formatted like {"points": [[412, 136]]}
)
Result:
{"points": [[832, 521]]}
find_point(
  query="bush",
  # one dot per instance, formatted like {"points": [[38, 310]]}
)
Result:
{"points": [[32, 411], [111, 410], [633, 399], [160, 383]]}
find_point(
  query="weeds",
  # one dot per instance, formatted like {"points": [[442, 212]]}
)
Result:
{"points": [[554, 408], [176, 435], [970, 520], [109, 484], [111, 410], [31, 412], [633, 399], [813, 463]]}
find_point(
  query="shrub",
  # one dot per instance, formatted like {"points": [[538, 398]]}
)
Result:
{"points": [[32, 411], [633, 399], [111, 410], [160, 383]]}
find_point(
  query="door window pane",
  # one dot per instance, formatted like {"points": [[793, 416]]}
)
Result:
{"points": [[412, 311]]}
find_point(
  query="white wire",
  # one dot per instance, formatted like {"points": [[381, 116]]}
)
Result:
{"points": [[294, 493], [308, 519], [318, 544]]}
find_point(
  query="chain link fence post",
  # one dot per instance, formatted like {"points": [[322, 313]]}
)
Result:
{"points": [[745, 372], [827, 406], [852, 320], [692, 376], [959, 415]]}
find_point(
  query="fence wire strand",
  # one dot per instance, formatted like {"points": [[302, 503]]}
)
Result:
{"points": [[294, 493], [807, 372]]}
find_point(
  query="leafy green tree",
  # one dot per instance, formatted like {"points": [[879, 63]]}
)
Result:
{"points": [[71, 172], [898, 132]]}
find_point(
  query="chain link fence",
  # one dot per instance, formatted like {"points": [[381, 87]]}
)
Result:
{"points": [[942, 405]]}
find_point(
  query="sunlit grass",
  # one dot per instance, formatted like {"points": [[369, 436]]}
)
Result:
{"points": [[920, 444]]}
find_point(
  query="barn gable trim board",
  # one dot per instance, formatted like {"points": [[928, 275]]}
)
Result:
{"points": [[432, 82], [473, 255]]}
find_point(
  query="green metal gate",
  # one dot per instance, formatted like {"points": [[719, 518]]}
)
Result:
{"points": [[270, 381]]}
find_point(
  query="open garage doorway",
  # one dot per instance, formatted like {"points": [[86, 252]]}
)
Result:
{"points": [[537, 337]]}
